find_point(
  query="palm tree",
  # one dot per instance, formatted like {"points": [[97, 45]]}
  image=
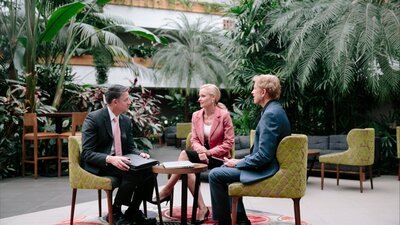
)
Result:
{"points": [[59, 23], [348, 41], [193, 52]]}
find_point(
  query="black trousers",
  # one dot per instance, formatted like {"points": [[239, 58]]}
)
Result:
{"points": [[135, 186]]}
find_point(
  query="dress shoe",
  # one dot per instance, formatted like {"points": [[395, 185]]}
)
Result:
{"points": [[243, 222], [165, 199], [139, 218], [223, 223], [123, 221], [205, 217], [117, 215]]}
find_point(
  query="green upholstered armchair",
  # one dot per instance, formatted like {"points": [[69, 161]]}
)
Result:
{"points": [[360, 153], [398, 147], [288, 182], [81, 179], [183, 129]]}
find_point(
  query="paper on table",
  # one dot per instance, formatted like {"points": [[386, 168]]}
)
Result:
{"points": [[178, 164]]}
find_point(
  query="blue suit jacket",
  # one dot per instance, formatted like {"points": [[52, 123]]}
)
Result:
{"points": [[271, 129]]}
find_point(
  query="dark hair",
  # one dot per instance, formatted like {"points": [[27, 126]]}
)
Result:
{"points": [[114, 92]]}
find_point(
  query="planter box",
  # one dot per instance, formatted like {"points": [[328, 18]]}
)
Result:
{"points": [[176, 5]]}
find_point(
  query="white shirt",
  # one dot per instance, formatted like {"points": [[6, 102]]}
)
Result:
{"points": [[207, 130], [112, 116]]}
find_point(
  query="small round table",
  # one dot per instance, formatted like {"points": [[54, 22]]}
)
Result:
{"points": [[314, 153], [196, 169]]}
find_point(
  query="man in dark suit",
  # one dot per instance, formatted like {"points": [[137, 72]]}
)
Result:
{"points": [[106, 137], [261, 162]]}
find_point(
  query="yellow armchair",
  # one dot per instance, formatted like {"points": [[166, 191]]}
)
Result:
{"points": [[183, 129], [81, 179], [360, 153], [288, 182]]}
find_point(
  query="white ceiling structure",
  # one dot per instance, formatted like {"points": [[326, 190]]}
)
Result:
{"points": [[147, 18]]}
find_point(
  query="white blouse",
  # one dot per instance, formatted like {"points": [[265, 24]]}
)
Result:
{"points": [[207, 129]]}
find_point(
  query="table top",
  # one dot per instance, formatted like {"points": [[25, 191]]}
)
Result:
{"points": [[197, 168], [313, 152]]}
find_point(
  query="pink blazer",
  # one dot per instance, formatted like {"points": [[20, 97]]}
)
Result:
{"points": [[221, 136]]}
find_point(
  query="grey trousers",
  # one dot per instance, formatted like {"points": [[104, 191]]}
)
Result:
{"points": [[219, 179]]}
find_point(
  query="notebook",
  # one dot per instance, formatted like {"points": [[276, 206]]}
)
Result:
{"points": [[177, 164], [140, 163]]}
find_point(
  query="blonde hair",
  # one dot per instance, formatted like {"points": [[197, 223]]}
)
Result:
{"points": [[214, 91], [270, 83]]}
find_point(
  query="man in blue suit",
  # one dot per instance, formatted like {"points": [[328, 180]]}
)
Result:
{"points": [[261, 163]]}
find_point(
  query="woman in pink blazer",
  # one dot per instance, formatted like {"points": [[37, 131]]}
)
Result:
{"points": [[212, 136]]}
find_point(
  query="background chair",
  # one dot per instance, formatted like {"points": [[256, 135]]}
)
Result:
{"points": [[398, 147], [30, 133], [360, 153], [182, 130], [288, 182], [77, 121], [81, 179]]}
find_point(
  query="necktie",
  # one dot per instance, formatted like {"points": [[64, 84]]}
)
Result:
{"points": [[117, 137]]}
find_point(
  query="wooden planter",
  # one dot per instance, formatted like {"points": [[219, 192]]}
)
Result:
{"points": [[87, 60], [176, 5]]}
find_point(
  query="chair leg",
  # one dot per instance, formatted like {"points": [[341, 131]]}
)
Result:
{"points": [[24, 157], [361, 179], [35, 158], [171, 202], [370, 177], [59, 155], [399, 170], [296, 202], [71, 220], [337, 174], [322, 175], [234, 209], [109, 203], [99, 201]]}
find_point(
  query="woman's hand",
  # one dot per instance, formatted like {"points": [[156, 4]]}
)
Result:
{"points": [[202, 149], [203, 157]]}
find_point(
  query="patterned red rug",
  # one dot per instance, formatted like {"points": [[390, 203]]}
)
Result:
{"points": [[256, 218]]}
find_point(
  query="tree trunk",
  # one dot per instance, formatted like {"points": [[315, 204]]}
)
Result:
{"points": [[61, 79], [30, 55], [187, 94]]}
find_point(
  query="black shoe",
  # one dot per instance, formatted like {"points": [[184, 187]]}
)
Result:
{"points": [[166, 199], [117, 215], [243, 222], [138, 218], [123, 221], [223, 223], [205, 217]]}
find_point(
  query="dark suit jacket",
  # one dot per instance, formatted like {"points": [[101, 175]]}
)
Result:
{"points": [[271, 129], [97, 139]]}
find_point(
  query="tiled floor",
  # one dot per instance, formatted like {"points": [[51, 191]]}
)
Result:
{"points": [[47, 200]]}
